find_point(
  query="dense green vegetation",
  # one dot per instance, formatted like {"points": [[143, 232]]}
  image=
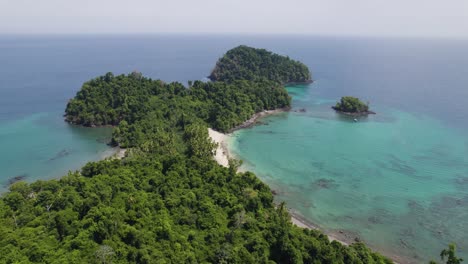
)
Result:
{"points": [[108, 100], [168, 201], [246, 63], [159, 208], [351, 104]]}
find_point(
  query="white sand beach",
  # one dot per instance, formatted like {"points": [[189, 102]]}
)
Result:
{"points": [[114, 153], [222, 157], [222, 151], [120, 153]]}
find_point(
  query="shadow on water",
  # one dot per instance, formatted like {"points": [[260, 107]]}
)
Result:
{"points": [[381, 216], [401, 167], [15, 179], [435, 224], [461, 182], [324, 183], [100, 134], [61, 154], [441, 155]]}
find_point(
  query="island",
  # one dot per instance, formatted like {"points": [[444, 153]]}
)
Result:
{"points": [[167, 200], [247, 63], [352, 106]]}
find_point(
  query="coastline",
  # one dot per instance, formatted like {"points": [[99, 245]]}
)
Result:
{"points": [[300, 221], [255, 118], [223, 154], [114, 153], [120, 154], [110, 154], [222, 151]]}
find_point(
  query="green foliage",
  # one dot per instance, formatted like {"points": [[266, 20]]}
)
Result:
{"points": [[159, 208], [168, 201], [246, 63], [109, 99], [221, 105], [450, 255], [351, 104]]}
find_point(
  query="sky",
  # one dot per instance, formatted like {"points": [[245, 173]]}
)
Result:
{"points": [[408, 18]]}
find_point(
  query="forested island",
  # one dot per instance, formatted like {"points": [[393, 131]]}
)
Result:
{"points": [[246, 63], [352, 106], [167, 201]]}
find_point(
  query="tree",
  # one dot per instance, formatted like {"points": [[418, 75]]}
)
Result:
{"points": [[450, 255], [351, 104], [168, 201], [104, 254], [247, 63]]}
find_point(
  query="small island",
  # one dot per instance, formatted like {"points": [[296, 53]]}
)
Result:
{"points": [[247, 63], [349, 105]]}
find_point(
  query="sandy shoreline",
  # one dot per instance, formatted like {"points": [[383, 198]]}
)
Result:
{"points": [[223, 154], [222, 157], [300, 221], [120, 154], [114, 153], [222, 151], [342, 236]]}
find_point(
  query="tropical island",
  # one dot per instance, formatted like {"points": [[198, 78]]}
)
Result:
{"points": [[352, 106], [167, 200], [246, 63]]}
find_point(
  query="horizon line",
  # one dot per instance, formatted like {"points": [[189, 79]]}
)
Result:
{"points": [[227, 34]]}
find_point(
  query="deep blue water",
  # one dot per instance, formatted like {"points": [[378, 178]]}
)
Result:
{"points": [[421, 75], [38, 74]]}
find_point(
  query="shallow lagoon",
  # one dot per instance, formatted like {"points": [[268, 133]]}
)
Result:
{"points": [[43, 146], [397, 180]]}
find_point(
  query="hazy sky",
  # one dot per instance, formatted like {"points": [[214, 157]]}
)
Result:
{"points": [[444, 18]]}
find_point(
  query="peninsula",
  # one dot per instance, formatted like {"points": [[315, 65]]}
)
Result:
{"points": [[167, 200]]}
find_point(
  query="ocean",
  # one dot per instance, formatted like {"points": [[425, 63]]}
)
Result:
{"points": [[398, 180]]}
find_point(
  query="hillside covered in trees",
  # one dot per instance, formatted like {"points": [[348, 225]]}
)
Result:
{"points": [[167, 201], [246, 63], [109, 99]]}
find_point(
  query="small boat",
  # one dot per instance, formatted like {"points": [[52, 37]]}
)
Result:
{"points": [[355, 120]]}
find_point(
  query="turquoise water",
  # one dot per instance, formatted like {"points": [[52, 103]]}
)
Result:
{"points": [[398, 180], [39, 74], [40, 146]]}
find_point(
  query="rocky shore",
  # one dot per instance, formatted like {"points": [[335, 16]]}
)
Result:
{"points": [[254, 119]]}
